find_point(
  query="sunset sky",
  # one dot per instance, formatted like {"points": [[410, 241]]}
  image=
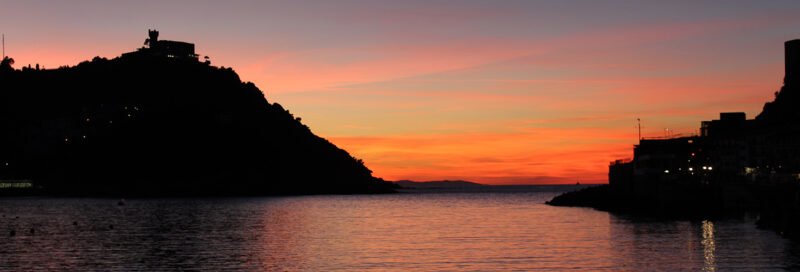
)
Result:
{"points": [[496, 92]]}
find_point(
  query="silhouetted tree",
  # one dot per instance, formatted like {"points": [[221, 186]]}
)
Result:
{"points": [[6, 64]]}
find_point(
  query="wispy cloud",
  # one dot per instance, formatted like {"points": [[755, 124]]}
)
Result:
{"points": [[497, 92]]}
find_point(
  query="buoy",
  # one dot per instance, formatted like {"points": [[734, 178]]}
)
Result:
{"points": [[32, 230], [75, 223], [12, 233], [110, 226]]}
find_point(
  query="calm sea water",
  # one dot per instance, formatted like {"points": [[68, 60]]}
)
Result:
{"points": [[503, 228]]}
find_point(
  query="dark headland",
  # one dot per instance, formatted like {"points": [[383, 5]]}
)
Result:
{"points": [[734, 165], [157, 121]]}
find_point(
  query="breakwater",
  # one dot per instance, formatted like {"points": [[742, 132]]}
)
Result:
{"points": [[777, 207]]}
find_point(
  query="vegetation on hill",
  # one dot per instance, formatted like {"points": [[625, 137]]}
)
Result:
{"points": [[159, 126]]}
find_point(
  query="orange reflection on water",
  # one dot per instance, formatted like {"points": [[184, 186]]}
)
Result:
{"points": [[502, 230], [452, 233]]}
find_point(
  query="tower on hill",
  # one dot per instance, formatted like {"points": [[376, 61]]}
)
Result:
{"points": [[792, 62]]}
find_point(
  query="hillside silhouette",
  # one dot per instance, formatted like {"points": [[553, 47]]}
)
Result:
{"points": [[784, 108], [152, 125]]}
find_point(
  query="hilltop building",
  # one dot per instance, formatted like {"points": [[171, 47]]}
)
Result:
{"points": [[164, 48]]}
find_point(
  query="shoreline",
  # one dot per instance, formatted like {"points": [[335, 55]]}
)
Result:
{"points": [[775, 206]]}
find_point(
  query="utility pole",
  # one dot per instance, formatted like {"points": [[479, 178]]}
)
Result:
{"points": [[4, 46], [639, 125]]}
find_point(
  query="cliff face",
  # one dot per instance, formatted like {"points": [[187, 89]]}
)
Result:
{"points": [[783, 108], [150, 125]]}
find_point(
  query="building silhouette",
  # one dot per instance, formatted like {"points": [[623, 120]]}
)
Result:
{"points": [[792, 61], [729, 150], [164, 48]]}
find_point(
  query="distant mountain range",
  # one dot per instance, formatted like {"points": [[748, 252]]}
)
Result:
{"points": [[436, 184]]}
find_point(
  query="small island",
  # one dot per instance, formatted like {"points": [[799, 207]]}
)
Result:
{"points": [[158, 121], [735, 164]]}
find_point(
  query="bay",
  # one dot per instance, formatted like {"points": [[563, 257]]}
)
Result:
{"points": [[497, 228]]}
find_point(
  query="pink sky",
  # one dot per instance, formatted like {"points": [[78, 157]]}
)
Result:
{"points": [[527, 92]]}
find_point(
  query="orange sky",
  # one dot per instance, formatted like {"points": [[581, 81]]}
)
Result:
{"points": [[512, 92]]}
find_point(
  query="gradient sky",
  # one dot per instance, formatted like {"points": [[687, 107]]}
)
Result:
{"points": [[497, 92]]}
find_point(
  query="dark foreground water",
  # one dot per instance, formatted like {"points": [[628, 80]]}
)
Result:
{"points": [[508, 228]]}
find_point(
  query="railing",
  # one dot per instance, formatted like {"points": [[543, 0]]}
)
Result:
{"points": [[671, 136], [621, 161]]}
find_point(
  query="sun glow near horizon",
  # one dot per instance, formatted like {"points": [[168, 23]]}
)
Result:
{"points": [[496, 93]]}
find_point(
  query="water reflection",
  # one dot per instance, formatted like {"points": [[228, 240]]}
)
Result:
{"points": [[418, 232], [709, 246]]}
